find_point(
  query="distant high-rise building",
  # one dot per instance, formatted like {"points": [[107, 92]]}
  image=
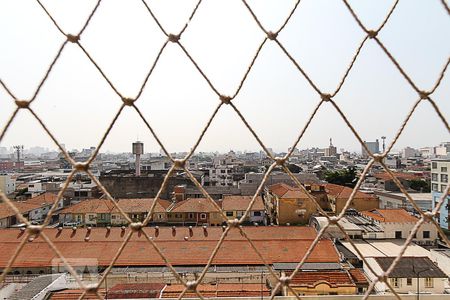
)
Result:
{"points": [[331, 150], [373, 147]]}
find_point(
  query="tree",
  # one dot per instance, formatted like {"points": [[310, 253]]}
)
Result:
{"points": [[420, 185], [346, 177]]}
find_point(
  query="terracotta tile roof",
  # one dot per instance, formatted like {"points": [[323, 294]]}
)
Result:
{"points": [[394, 215], [343, 192], [90, 206], [135, 290], [358, 276], [142, 205], [276, 244], [219, 290], [199, 205], [311, 279], [74, 294], [230, 203], [402, 175], [282, 190], [47, 198], [23, 207]]}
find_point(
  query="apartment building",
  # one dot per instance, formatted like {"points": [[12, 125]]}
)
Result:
{"points": [[7, 184], [440, 172]]}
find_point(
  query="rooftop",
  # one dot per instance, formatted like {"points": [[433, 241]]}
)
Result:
{"points": [[410, 267], [240, 203], [394, 215], [182, 246]]}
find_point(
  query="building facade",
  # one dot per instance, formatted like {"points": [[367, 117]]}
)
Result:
{"points": [[440, 171]]}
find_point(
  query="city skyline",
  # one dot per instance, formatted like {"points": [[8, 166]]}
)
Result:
{"points": [[78, 105]]}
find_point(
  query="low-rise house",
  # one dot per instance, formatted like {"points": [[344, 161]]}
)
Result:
{"points": [[194, 211], [103, 212], [92, 212], [286, 204], [331, 282], [398, 224], [410, 275], [138, 209], [385, 181], [213, 290], [235, 207], [338, 196], [8, 217]]}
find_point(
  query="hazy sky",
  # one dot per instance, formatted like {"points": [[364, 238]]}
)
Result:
{"points": [[77, 104]]}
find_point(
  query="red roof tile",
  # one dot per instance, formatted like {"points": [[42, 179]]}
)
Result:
{"points": [[402, 175], [395, 215], [235, 203], [198, 205], [276, 244], [311, 279], [343, 192], [219, 290], [23, 207], [358, 276]]}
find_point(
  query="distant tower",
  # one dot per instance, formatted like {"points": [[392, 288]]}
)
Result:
{"points": [[19, 149], [138, 149], [384, 144]]}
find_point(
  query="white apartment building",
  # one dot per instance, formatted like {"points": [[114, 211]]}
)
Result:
{"points": [[7, 184], [440, 172]]}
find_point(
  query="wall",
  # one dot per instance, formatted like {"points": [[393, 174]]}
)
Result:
{"points": [[323, 289], [140, 187], [287, 211], [405, 228], [358, 203]]}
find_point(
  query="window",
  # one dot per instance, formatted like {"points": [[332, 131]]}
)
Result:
{"points": [[178, 216], [426, 234], [202, 216], [398, 234], [443, 187], [434, 176], [434, 187], [434, 165], [428, 282], [395, 282], [408, 281], [257, 214], [229, 213], [299, 202], [160, 216], [444, 178], [443, 169]]}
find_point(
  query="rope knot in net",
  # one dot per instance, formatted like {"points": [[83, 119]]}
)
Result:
{"points": [[136, 226], [179, 163], [280, 160], [34, 229], [272, 35], [382, 277], [73, 38], [174, 38], [372, 33], [378, 157], [325, 97], [128, 101], [285, 280], [233, 223], [333, 220], [428, 216], [81, 167], [191, 285], [424, 95], [225, 99], [22, 104]]}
